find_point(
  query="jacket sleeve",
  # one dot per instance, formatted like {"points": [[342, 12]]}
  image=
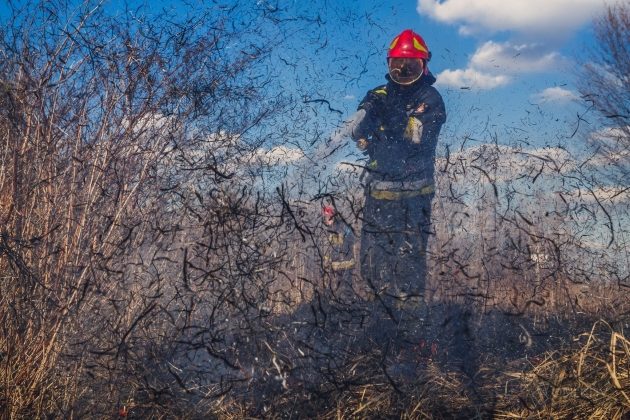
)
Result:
{"points": [[432, 118], [348, 128], [371, 105]]}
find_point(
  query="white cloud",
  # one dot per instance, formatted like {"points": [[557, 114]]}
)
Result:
{"points": [[149, 123], [521, 58], [604, 194], [603, 74], [612, 193], [493, 64], [609, 160], [557, 156], [506, 163], [279, 155], [611, 134], [543, 22], [611, 145], [555, 94], [354, 168], [524, 16], [471, 78]]}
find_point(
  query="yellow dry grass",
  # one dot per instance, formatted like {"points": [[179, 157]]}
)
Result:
{"points": [[591, 383]]}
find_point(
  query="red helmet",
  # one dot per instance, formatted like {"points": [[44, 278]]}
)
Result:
{"points": [[407, 58], [409, 45]]}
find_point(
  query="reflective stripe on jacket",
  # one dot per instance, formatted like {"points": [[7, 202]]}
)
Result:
{"points": [[389, 190]]}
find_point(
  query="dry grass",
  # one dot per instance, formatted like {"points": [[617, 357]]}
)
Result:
{"points": [[591, 383]]}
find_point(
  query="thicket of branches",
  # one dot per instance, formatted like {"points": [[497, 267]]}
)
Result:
{"points": [[134, 237], [605, 73], [157, 254]]}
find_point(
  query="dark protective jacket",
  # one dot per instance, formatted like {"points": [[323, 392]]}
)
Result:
{"points": [[402, 124], [340, 250]]}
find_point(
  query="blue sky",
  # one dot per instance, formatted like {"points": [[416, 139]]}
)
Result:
{"points": [[498, 63], [505, 68]]}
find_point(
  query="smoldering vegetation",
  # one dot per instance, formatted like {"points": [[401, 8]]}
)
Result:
{"points": [[162, 253]]}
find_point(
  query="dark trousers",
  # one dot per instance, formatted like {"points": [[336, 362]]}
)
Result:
{"points": [[394, 243]]}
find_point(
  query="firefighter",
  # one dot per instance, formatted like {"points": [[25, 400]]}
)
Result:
{"points": [[339, 253], [397, 125]]}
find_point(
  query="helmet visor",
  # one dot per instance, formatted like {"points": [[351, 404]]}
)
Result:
{"points": [[405, 71]]}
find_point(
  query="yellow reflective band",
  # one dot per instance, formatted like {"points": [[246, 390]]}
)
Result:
{"points": [[398, 195], [373, 164], [381, 91], [411, 124], [342, 265], [418, 45], [394, 42], [336, 239]]}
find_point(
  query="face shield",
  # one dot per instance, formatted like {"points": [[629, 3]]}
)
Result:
{"points": [[405, 71]]}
